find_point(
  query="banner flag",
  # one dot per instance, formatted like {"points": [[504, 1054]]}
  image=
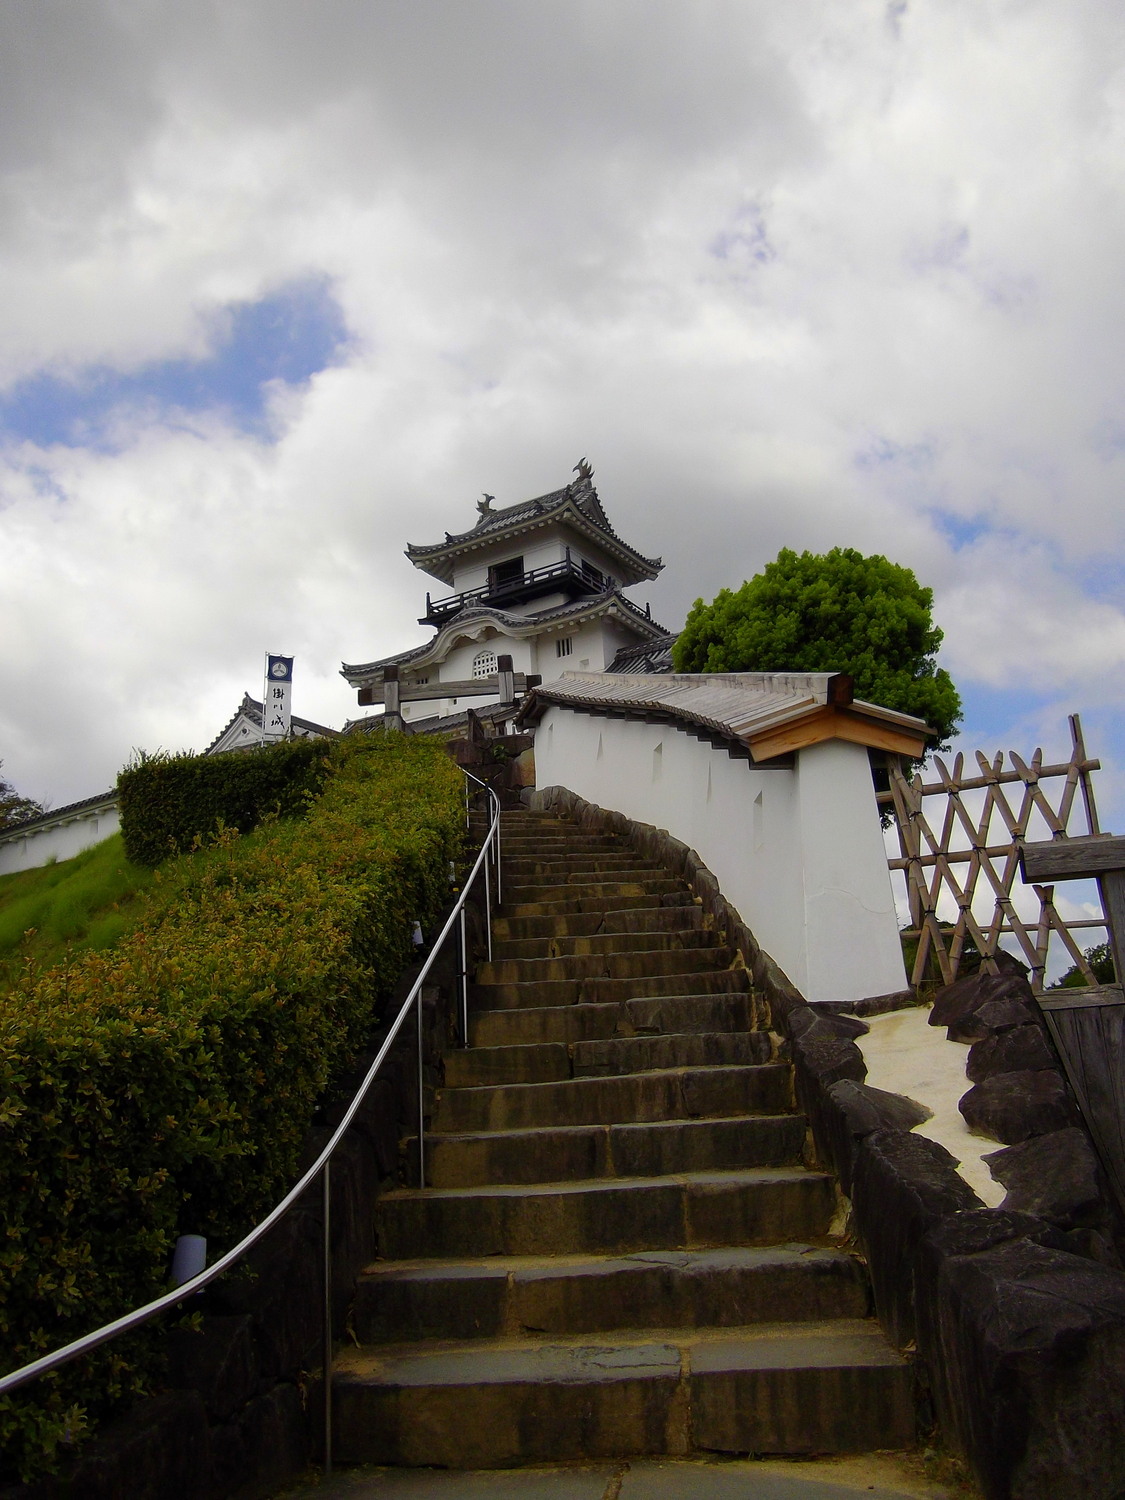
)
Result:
{"points": [[277, 698]]}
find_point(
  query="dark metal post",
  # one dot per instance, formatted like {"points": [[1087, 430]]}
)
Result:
{"points": [[421, 1101], [326, 1331], [464, 966]]}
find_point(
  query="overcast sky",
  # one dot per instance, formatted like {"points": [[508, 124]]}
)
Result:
{"points": [[287, 285]]}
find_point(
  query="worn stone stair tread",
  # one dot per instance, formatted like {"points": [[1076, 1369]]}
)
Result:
{"points": [[819, 1387], [533, 1297], [651, 917], [602, 1057], [824, 1344], [676, 1210], [546, 992], [573, 945], [613, 965], [526, 1190], [560, 1152], [602, 1020], [661, 1093]]}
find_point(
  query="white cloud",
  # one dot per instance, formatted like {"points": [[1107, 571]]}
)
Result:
{"points": [[797, 276]]}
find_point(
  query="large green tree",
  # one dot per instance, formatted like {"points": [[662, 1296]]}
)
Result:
{"points": [[833, 612], [14, 808]]}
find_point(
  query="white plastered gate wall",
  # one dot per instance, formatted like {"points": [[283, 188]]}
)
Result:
{"points": [[797, 851]]}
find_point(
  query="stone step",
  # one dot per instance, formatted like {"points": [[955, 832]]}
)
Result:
{"points": [[686, 1211], [536, 971], [591, 991], [603, 942], [572, 1153], [628, 900], [630, 882], [521, 869], [516, 1296], [672, 1094], [584, 1022], [564, 851], [549, 1062], [654, 916], [832, 1387]]}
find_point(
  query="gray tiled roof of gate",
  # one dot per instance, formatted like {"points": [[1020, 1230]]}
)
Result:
{"points": [[736, 704]]}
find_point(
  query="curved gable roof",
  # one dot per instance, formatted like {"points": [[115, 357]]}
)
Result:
{"points": [[578, 504]]}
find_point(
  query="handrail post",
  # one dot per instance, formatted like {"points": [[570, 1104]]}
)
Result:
{"points": [[488, 899], [464, 977], [326, 1330], [421, 1101]]}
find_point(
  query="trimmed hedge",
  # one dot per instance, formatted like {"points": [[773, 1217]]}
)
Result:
{"points": [[169, 803], [166, 1087]]}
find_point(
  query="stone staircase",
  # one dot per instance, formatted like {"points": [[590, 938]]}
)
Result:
{"points": [[618, 1251]]}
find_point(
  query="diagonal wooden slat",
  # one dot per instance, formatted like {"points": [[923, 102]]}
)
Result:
{"points": [[969, 856]]}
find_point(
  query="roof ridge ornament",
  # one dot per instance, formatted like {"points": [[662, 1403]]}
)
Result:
{"points": [[585, 471], [484, 505]]}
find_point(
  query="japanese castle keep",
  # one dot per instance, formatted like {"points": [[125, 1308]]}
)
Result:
{"points": [[541, 581]]}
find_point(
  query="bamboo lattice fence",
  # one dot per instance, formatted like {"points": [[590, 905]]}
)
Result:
{"points": [[960, 839]]}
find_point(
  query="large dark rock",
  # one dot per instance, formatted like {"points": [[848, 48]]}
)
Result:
{"points": [[993, 1016], [1023, 1049], [810, 1021], [869, 1109], [846, 1112], [965, 996], [1055, 1176], [827, 1059], [1011, 1107], [902, 1186], [1025, 1349]]}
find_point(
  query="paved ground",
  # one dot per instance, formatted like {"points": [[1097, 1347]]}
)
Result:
{"points": [[882, 1477]]}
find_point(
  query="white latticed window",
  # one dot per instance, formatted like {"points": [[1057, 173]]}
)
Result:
{"points": [[484, 664], [564, 646]]}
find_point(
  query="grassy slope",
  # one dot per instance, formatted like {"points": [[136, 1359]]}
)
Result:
{"points": [[87, 902]]}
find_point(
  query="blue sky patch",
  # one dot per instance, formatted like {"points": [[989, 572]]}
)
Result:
{"points": [[288, 335]]}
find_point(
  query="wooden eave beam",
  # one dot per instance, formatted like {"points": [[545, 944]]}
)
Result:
{"points": [[827, 723]]}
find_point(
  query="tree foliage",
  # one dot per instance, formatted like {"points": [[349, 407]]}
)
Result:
{"points": [[832, 612], [15, 809]]}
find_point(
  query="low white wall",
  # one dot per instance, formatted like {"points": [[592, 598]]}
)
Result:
{"points": [[798, 852], [57, 841]]}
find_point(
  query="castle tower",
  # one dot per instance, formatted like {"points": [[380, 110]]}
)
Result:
{"points": [[541, 581]]}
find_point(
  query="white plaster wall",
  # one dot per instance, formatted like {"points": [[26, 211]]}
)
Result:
{"points": [[537, 551], [791, 849], [57, 841]]}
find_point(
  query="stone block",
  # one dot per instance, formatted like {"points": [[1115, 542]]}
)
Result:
{"points": [[1016, 1050], [1025, 1345], [1055, 1176], [1011, 1107], [903, 1185], [994, 1016], [957, 1001]]}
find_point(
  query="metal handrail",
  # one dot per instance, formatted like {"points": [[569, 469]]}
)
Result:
{"points": [[489, 853]]}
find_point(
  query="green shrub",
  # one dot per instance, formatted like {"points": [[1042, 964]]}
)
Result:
{"points": [[170, 802], [166, 1086]]}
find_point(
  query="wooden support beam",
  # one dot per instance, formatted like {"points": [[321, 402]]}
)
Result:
{"points": [[468, 687], [1079, 858]]}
